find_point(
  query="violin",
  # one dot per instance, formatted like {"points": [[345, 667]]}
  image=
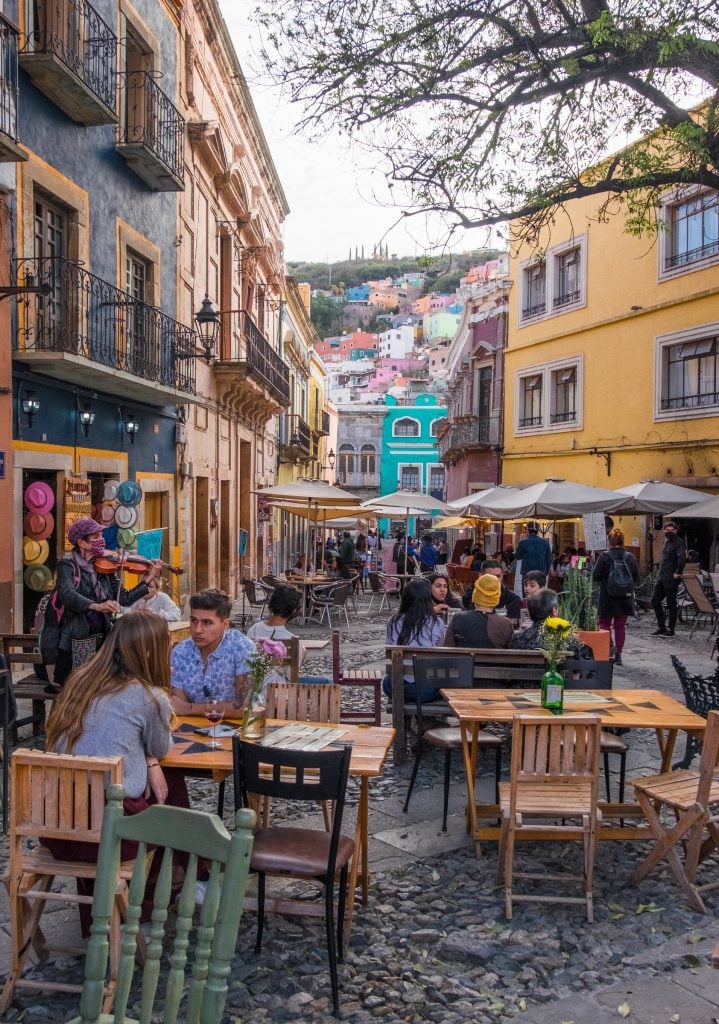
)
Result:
{"points": [[110, 562]]}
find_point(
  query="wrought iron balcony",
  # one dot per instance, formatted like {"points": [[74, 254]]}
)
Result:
{"points": [[322, 424], [469, 433], [295, 438], [356, 481], [88, 331], [9, 149], [246, 356], [151, 138], [70, 53]]}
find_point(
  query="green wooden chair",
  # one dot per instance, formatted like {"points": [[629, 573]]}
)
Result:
{"points": [[200, 835]]}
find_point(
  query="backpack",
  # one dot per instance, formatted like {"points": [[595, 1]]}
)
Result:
{"points": [[620, 582], [50, 628]]}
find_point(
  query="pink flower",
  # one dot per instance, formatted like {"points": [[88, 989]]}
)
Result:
{"points": [[273, 648]]}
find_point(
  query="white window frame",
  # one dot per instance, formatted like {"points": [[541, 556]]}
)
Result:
{"points": [[414, 420], [662, 342], [546, 372], [551, 258], [671, 200], [414, 464]]}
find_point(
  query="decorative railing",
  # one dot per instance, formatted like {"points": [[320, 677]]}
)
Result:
{"points": [[85, 316], [352, 480], [74, 33], [325, 427], [8, 77], [152, 120], [565, 298], [295, 434], [468, 433]]}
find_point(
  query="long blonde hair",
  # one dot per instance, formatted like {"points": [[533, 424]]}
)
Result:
{"points": [[137, 650]]}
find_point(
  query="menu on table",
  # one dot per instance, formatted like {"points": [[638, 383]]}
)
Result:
{"points": [[302, 737]]}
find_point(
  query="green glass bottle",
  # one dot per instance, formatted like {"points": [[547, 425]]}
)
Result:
{"points": [[553, 689]]}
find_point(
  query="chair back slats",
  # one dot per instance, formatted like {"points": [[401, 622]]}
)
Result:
{"points": [[709, 758], [586, 674], [694, 589], [453, 672], [555, 747], [303, 702], [202, 836], [289, 774]]}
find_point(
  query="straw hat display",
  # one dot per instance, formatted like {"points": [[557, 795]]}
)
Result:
{"points": [[126, 538], [129, 493], [38, 577], [37, 525], [34, 552], [39, 497], [126, 517]]}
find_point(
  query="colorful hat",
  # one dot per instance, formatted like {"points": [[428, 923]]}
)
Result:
{"points": [[107, 514], [110, 490], [39, 497], [487, 591], [126, 517], [38, 577], [34, 551], [126, 539], [129, 493], [83, 528], [37, 526]]}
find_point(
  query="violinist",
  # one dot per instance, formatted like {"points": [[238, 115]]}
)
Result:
{"points": [[88, 599]]}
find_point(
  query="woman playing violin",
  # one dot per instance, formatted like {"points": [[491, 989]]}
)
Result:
{"points": [[89, 599]]}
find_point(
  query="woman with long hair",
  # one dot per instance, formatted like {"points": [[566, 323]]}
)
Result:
{"points": [[118, 704], [442, 597], [414, 625]]}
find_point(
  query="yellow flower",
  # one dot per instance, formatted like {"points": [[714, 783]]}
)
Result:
{"points": [[557, 624]]}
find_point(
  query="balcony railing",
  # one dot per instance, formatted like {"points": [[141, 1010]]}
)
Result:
{"points": [[295, 437], [72, 37], [88, 317], [8, 78], [472, 432], [151, 139], [325, 424], [355, 480], [245, 345]]}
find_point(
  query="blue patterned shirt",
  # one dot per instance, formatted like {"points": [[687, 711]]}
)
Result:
{"points": [[216, 679]]}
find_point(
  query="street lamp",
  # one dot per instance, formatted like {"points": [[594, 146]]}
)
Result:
{"points": [[30, 406], [131, 426], [86, 417], [208, 327]]}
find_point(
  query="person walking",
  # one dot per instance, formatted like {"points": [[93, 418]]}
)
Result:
{"points": [[533, 551], [671, 566], [616, 606], [428, 554]]}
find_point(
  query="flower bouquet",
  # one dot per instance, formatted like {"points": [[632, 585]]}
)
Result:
{"points": [[267, 654], [555, 637]]}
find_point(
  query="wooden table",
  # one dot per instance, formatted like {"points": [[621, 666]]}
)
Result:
{"points": [[370, 746], [314, 644], [632, 709]]}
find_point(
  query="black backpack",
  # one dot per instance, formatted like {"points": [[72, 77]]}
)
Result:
{"points": [[620, 582], [51, 623]]}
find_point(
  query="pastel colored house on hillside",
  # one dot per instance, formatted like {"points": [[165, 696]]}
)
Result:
{"points": [[410, 460], [442, 323], [345, 346]]}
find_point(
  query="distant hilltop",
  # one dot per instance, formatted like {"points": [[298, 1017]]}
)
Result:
{"points": [[441, 273]]}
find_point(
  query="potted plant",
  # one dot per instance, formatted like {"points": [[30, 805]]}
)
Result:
{"points": [[576, 604]]}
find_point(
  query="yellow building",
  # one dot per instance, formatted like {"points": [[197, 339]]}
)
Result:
{"points": [[612, 363], [305, 427]]}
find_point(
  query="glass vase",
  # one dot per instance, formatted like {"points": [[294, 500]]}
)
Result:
{"points": [[553, 689], [254, 720]]}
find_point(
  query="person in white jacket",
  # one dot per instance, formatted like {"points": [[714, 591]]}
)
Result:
{"points": [[158, 602]]}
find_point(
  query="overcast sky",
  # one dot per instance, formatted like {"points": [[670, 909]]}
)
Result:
{"points": [[338, 199]]}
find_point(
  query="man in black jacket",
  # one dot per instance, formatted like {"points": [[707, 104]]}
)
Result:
{"points": [[507, 599], [671, 567]]}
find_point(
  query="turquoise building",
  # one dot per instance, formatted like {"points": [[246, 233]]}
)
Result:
{"points": [[410, 459]]}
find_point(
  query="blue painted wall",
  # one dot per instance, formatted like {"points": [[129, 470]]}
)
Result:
{"points": [[417, 451]]}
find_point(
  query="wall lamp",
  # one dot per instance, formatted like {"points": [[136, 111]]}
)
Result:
{"points": [[86, 416], [30, 406], [208, 327], [131, 426], [331, 458]]}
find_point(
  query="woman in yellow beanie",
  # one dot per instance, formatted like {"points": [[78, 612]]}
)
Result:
{"points": [[481, 627]]}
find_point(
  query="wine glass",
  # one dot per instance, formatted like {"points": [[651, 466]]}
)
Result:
{"points": [[214, 713]]}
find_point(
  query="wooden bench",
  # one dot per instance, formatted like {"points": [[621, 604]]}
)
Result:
{"points": [[20, 652], [492, 668], [370, 679]]}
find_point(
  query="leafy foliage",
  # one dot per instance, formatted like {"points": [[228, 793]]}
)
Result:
{"points": [[326, 315], [508, 108]]}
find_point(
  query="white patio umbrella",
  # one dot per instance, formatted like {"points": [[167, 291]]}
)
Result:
{"points": [[468, 503], [551, 499], [707, 509], [405, 505], [659, 497]]}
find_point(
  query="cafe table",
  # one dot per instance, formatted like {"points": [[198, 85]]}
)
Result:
{"points": [[624, 709], [370, 745]]}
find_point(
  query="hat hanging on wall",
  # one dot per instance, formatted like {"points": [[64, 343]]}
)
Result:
{"points": [[110, 490], [39, 497], [34, 551], [38, 577], [38, 526], [126, 539], [107, 514], [126, 517], [129, 493]]}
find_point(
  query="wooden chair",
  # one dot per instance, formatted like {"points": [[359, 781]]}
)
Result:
{"points": [[304, 702], [703, 608], [585, 674], [9, 714], [299, 852], [370, 679], [554, 775], [56, 796], [693, 797], [18, 651], [452, 672], [200, 835]]}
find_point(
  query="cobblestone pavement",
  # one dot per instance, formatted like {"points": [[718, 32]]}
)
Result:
{"points": [[433, 943]]}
